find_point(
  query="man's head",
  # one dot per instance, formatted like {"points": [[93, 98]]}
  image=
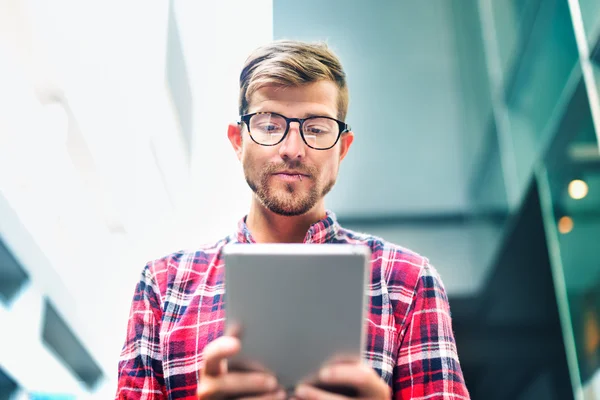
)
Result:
{"points": [[288, 63], [291, 169]]}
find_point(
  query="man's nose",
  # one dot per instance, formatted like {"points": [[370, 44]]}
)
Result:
{"points": [[293, 146]]}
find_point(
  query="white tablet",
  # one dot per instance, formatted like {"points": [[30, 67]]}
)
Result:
{"points": [[298, 305]]}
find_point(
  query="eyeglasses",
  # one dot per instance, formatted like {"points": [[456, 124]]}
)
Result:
{"points": [[269, 129]]}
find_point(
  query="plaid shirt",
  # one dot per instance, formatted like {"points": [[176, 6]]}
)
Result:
{"points": [[178, 308]]}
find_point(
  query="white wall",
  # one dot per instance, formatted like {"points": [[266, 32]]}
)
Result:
{"points": [[87, 187], [90, 194], [217, 39]]}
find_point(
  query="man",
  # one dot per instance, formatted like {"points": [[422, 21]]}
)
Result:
{"points": [[290, 140]]}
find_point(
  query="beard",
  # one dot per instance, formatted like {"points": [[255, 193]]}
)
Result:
{"points": [[293, 199]]}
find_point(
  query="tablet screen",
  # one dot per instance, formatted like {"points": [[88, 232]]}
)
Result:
{"points": [[299, 306]]}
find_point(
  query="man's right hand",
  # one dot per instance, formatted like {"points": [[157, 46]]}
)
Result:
{"points": [[216, 382]]}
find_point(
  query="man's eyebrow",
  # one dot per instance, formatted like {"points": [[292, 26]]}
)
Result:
{"points": [[305, 115], [308, 115]]}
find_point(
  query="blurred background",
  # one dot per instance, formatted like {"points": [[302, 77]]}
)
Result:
{"points": [[477, 129]]}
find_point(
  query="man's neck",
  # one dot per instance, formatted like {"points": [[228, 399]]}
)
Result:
{"points": [[268, 227]]}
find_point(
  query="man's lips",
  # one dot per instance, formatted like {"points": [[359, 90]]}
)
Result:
{"points": [[291, 176], [292, 173]]}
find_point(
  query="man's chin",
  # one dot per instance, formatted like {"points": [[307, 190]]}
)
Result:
{"points": [[288, 212], [288, 209], [287, 201]]}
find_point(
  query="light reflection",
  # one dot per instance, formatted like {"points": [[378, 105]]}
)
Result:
{"points": [[565, 225], [578, 189]]}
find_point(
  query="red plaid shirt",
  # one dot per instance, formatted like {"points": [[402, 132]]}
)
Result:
{"points": [[178, 308]]}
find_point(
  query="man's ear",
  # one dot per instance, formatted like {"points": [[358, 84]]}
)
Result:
{"points": [[346, 140], [234, 134]]}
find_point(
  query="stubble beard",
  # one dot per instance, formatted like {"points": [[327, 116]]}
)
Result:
{"points": [[293, 200]]}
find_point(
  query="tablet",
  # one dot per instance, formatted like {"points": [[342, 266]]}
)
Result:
{"points": [[299, 306]]}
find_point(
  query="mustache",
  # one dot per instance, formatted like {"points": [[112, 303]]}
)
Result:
{"points": [[274, 168]]}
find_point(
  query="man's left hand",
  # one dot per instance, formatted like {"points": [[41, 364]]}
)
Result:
{"points": [[359, 376]]}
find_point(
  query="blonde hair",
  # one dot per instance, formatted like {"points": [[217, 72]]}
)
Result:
{"points": [[292, 63]]}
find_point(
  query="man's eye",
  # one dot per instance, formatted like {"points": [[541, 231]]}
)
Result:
{"points": [[315, 130], [270, 128]]}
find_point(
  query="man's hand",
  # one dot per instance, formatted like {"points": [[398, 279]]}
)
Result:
{"points": [[356, 375], [216, 382]]}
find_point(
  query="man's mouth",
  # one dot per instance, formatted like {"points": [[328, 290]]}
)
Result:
{"points": [[291, 176]]}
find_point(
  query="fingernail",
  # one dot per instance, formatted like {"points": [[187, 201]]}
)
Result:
{"points": [[271, 383], [301, 391], [230, 342], [325, 374]]}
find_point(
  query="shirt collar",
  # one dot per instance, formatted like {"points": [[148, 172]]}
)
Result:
{"points": [[323, 231]]}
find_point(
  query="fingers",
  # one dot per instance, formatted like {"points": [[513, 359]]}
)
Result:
{"points": [[220, 382], [237, 385], [359, 376], [279, 395], [306, 392], [234, 330], [356, 375], [246, 382], [217, 351]]}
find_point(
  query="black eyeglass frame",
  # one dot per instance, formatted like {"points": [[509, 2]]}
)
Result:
{"points": [[343, 128]]}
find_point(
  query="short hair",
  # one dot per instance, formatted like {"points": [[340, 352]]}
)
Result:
{"points": [[292, 63]]}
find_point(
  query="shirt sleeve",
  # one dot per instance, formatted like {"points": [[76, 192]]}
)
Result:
{"points": [[140, 365], [427, 364]]}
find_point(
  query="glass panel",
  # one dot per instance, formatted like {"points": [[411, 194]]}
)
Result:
{"points": [[540, 81], [590, 13], [573, 165], [512, 21], [487, 190], [474, 81], [488, 200]]}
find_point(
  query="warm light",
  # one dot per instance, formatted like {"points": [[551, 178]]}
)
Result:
{"points": [[578, 189], [565, 225]]}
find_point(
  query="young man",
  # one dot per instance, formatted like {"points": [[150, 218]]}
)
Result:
{"points": [[291, 140]]}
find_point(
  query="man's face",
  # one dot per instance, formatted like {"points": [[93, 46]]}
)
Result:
{"points": [[291, 178]]}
